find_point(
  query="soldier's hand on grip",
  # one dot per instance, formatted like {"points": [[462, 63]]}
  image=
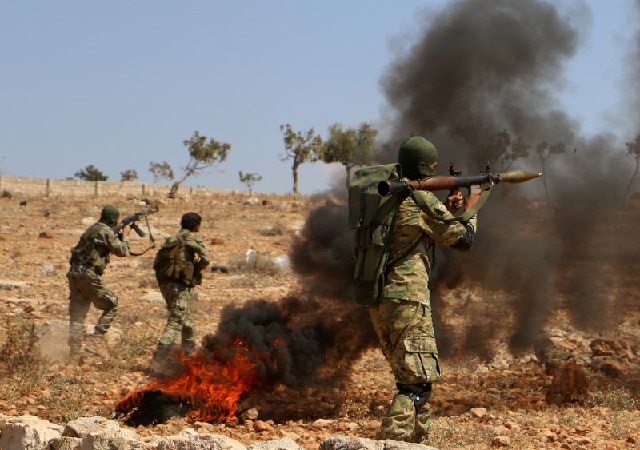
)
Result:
{"points": [[454, 201], [125, 230], [471, 199]]}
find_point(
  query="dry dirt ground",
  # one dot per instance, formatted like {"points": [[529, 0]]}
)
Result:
{"points": [[501, 402]]}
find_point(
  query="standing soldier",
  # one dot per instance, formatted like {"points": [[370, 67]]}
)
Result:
{"points": [[402, 319], [178, 267], [88, 260]]}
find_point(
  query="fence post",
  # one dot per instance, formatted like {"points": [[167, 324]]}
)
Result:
{"points": [[48, 188], [96, 189]]}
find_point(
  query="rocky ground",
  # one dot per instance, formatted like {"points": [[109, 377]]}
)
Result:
{"points": [[573, 390]]}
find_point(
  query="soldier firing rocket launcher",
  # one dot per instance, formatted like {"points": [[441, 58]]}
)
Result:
{"points": [[440, 183]]}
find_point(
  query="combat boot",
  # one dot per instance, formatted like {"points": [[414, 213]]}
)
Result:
{"points": [[399, 422], [421, 432]]}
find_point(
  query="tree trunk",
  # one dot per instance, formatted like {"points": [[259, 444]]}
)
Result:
{"points": [[176, 184], [296, 194], [348, 169], [174, 190]]}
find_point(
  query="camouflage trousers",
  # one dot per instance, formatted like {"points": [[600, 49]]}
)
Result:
{"points": [[180, 321], [87, 288], [406, 335]]}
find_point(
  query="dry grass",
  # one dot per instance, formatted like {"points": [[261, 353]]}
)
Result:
{"points": [[20, 366]]}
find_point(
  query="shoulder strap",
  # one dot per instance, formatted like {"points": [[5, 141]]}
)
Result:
{"points": [[469, 213], [152, 240], [413, 245]]}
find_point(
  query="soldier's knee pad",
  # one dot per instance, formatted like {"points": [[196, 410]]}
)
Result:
{"points": [[419, 393]]}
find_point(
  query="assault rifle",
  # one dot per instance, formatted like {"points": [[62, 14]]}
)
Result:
{"points": [[132, 220], [441, 183]]}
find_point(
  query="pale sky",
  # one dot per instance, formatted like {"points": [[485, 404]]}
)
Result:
{"points": [[118, 84]]}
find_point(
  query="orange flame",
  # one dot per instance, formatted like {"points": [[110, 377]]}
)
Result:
{"points": [[210, 387]]}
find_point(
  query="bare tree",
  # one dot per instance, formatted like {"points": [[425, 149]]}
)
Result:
{"points": [[203, 154], [249, 179], [161, 171], [504, 149], [350, 147], [300, 148]]}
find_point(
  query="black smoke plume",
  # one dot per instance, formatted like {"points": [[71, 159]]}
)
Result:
{"points": [[480, 81], [310, 339]]}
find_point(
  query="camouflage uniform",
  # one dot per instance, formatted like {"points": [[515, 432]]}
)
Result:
{"points": [[177, 293], [402, 319], [88, 260]]}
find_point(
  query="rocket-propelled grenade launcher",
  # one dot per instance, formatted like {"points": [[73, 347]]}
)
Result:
{"points": [[441, 183]]}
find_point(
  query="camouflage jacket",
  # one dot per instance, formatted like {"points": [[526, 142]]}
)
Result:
{"points": [[94, 247], [195, 251], [416, 228]]}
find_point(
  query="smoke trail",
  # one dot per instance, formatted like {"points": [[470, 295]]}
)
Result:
{"points": [[481, 68]]}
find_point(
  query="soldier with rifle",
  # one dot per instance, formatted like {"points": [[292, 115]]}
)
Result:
{"points": [[89, 258]]}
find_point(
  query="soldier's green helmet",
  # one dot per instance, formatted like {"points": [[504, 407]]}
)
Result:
{"points": [[415, 156], [109, 215]]}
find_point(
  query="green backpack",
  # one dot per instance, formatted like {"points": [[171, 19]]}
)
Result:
{"points": [[170, 263], [371, 216]]}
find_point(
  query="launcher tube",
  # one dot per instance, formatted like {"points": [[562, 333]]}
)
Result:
{"points": [[453, 182]]}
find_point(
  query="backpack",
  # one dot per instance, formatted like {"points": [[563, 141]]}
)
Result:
{"points": [[170, 263], [372, 217]]}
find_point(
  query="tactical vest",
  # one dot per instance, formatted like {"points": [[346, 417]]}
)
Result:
{"points": [[91, 252]]}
